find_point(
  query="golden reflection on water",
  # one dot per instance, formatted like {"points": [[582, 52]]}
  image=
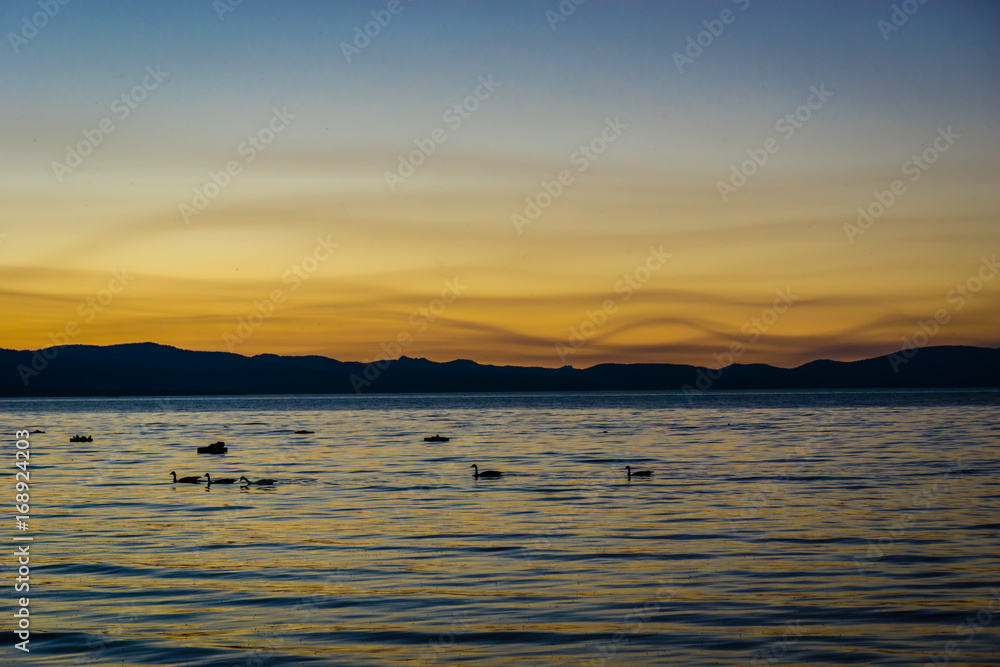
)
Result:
{"points": [[374, 543]]}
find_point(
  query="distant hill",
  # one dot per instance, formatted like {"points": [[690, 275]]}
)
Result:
{"points": [[148, 369]]}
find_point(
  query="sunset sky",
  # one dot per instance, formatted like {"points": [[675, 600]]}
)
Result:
{"points": [[308, 118]]}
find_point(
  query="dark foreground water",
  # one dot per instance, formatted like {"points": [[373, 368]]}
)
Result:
{"points": [[811, 528]]}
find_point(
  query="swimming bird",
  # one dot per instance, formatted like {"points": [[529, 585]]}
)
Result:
{"points": [[485, 473], [261, 482], [184, 480], [436, 438], [638, 473], [224, 480], [214, 448]]}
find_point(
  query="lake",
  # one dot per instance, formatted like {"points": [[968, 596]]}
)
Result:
{"points": [[830, 528]]}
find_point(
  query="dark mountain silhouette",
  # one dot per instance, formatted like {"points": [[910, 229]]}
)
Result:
{"points": [[148, 369]]}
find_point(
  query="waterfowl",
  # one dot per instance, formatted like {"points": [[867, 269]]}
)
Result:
{"points": [[304, 432], [261, 482], [224, 480], [184, 480], [82, 438], [436, 438], [638, 473], [214, 448], [485, 473]]}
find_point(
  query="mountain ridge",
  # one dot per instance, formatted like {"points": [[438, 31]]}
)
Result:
{"points": [[146, 369]]}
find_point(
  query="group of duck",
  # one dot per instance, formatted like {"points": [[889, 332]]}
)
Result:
{"points": [[476, 473], [496, 473], [225, 480], [220, 448], [493, 474]]}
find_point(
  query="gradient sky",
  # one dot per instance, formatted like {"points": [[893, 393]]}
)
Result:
{"points": [[523, 292]]}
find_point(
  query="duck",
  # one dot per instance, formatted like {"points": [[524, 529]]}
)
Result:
{"points": [[224, 480], [436, 438], [638, 473], [485, 473], [82, 438], [304, 432], [260, 482], [214, 448], [184, 480]]}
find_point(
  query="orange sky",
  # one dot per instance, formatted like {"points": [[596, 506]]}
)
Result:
{"points": [[549, 292]]}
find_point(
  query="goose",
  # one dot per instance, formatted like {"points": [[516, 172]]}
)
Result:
{"points": [[224, 480], [184, 480], [638, 473], [485, 473], [214, 448], [262, 482]]}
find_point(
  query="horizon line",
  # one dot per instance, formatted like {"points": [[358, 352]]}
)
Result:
{"points": [[569, 366]]}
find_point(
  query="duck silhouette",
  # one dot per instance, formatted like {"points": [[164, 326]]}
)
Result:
{"points": [[224, 480], [259, 482], [214, 448]]}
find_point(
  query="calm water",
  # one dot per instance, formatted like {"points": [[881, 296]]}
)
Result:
{"points": [[818, 528]]}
